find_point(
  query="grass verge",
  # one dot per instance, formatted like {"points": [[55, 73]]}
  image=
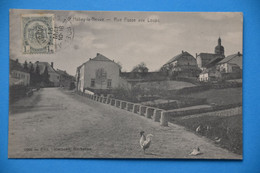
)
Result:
{"points": [[224, 131]]}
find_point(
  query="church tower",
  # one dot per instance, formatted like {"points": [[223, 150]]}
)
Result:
{"points": [[219, 49]]}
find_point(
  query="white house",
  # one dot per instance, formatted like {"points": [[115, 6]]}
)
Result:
{"points": [[209, 75], [99, 73]]}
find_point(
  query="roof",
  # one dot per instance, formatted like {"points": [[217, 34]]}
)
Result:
{"points": [[177, 57], [15, 65], [42, 66], [208, 58], [100, 57], [64, 73], [233, 59], [214, 62]]}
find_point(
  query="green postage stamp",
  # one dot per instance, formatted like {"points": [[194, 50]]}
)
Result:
{"points": [[37, 33]]}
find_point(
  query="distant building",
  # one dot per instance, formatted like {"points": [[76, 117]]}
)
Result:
{"points": [[17, 74], [207, 60], [231, 66], [182, 65], [99, 73], [66, 80], [210, 75], [54, 76]]}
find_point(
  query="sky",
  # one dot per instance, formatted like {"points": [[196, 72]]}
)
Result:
{"points": [[121, 37]]}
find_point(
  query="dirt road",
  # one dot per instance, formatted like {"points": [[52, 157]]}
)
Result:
{"points": [[56, 123]]}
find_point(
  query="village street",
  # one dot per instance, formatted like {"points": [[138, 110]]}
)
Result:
{"points": [[56, 123]]}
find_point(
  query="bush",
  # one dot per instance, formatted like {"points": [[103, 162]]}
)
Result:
{"points": [[16, 92]]}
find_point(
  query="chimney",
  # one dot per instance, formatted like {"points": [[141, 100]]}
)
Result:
{"points": [[196, 55], [238, 53], [52, 64], [98, 54], [37, 62], [182, 51]]}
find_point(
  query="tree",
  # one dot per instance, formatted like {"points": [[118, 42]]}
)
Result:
{"points": [[32, 74], [37, 76], [25, 65], [45, 76], [119, 65], [141, 68], [31, 68], [37, 69]]}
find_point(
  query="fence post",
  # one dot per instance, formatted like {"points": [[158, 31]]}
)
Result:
{"points": [[121, 106], [164, 119], [141, 110], [147, 113], [108, 100], [156, 115]]}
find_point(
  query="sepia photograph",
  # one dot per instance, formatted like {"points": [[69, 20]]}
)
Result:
{"points": [[111, 84]]}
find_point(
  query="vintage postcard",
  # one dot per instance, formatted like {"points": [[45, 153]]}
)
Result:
{"points": [[96, 84]]}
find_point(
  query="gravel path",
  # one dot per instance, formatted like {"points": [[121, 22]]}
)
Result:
{"points": [[56, 123]]}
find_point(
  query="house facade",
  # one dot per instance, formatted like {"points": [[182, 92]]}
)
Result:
{"points": [[99, 73], [18, 75]]}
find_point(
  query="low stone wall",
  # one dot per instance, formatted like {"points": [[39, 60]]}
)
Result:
{"points": [[157, 115], [161, 115], [225, 111], [221, 113]]}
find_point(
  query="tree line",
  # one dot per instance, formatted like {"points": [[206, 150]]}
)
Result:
{"points": [[36, 78]]}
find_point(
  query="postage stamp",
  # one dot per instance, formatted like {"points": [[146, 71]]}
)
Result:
{"points": [[37, 33]]}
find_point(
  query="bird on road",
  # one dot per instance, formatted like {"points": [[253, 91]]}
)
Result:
{"points": [[145, 141], [195, 152], [198, 129]]}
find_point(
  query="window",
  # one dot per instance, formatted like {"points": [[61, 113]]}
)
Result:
{"points": [[109, 83], [92, 83]]}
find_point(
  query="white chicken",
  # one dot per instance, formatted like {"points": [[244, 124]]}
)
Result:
{"points": [[145, 141], [195, 152]]}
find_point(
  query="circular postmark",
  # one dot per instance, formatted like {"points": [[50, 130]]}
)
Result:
{"points": [[63, 32]]}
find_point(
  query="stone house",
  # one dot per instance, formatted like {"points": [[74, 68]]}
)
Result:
{"points": [[182, 65]]}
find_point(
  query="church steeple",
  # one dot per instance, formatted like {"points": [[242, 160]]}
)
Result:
{"points": [[219, 49], [219, 41]]}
